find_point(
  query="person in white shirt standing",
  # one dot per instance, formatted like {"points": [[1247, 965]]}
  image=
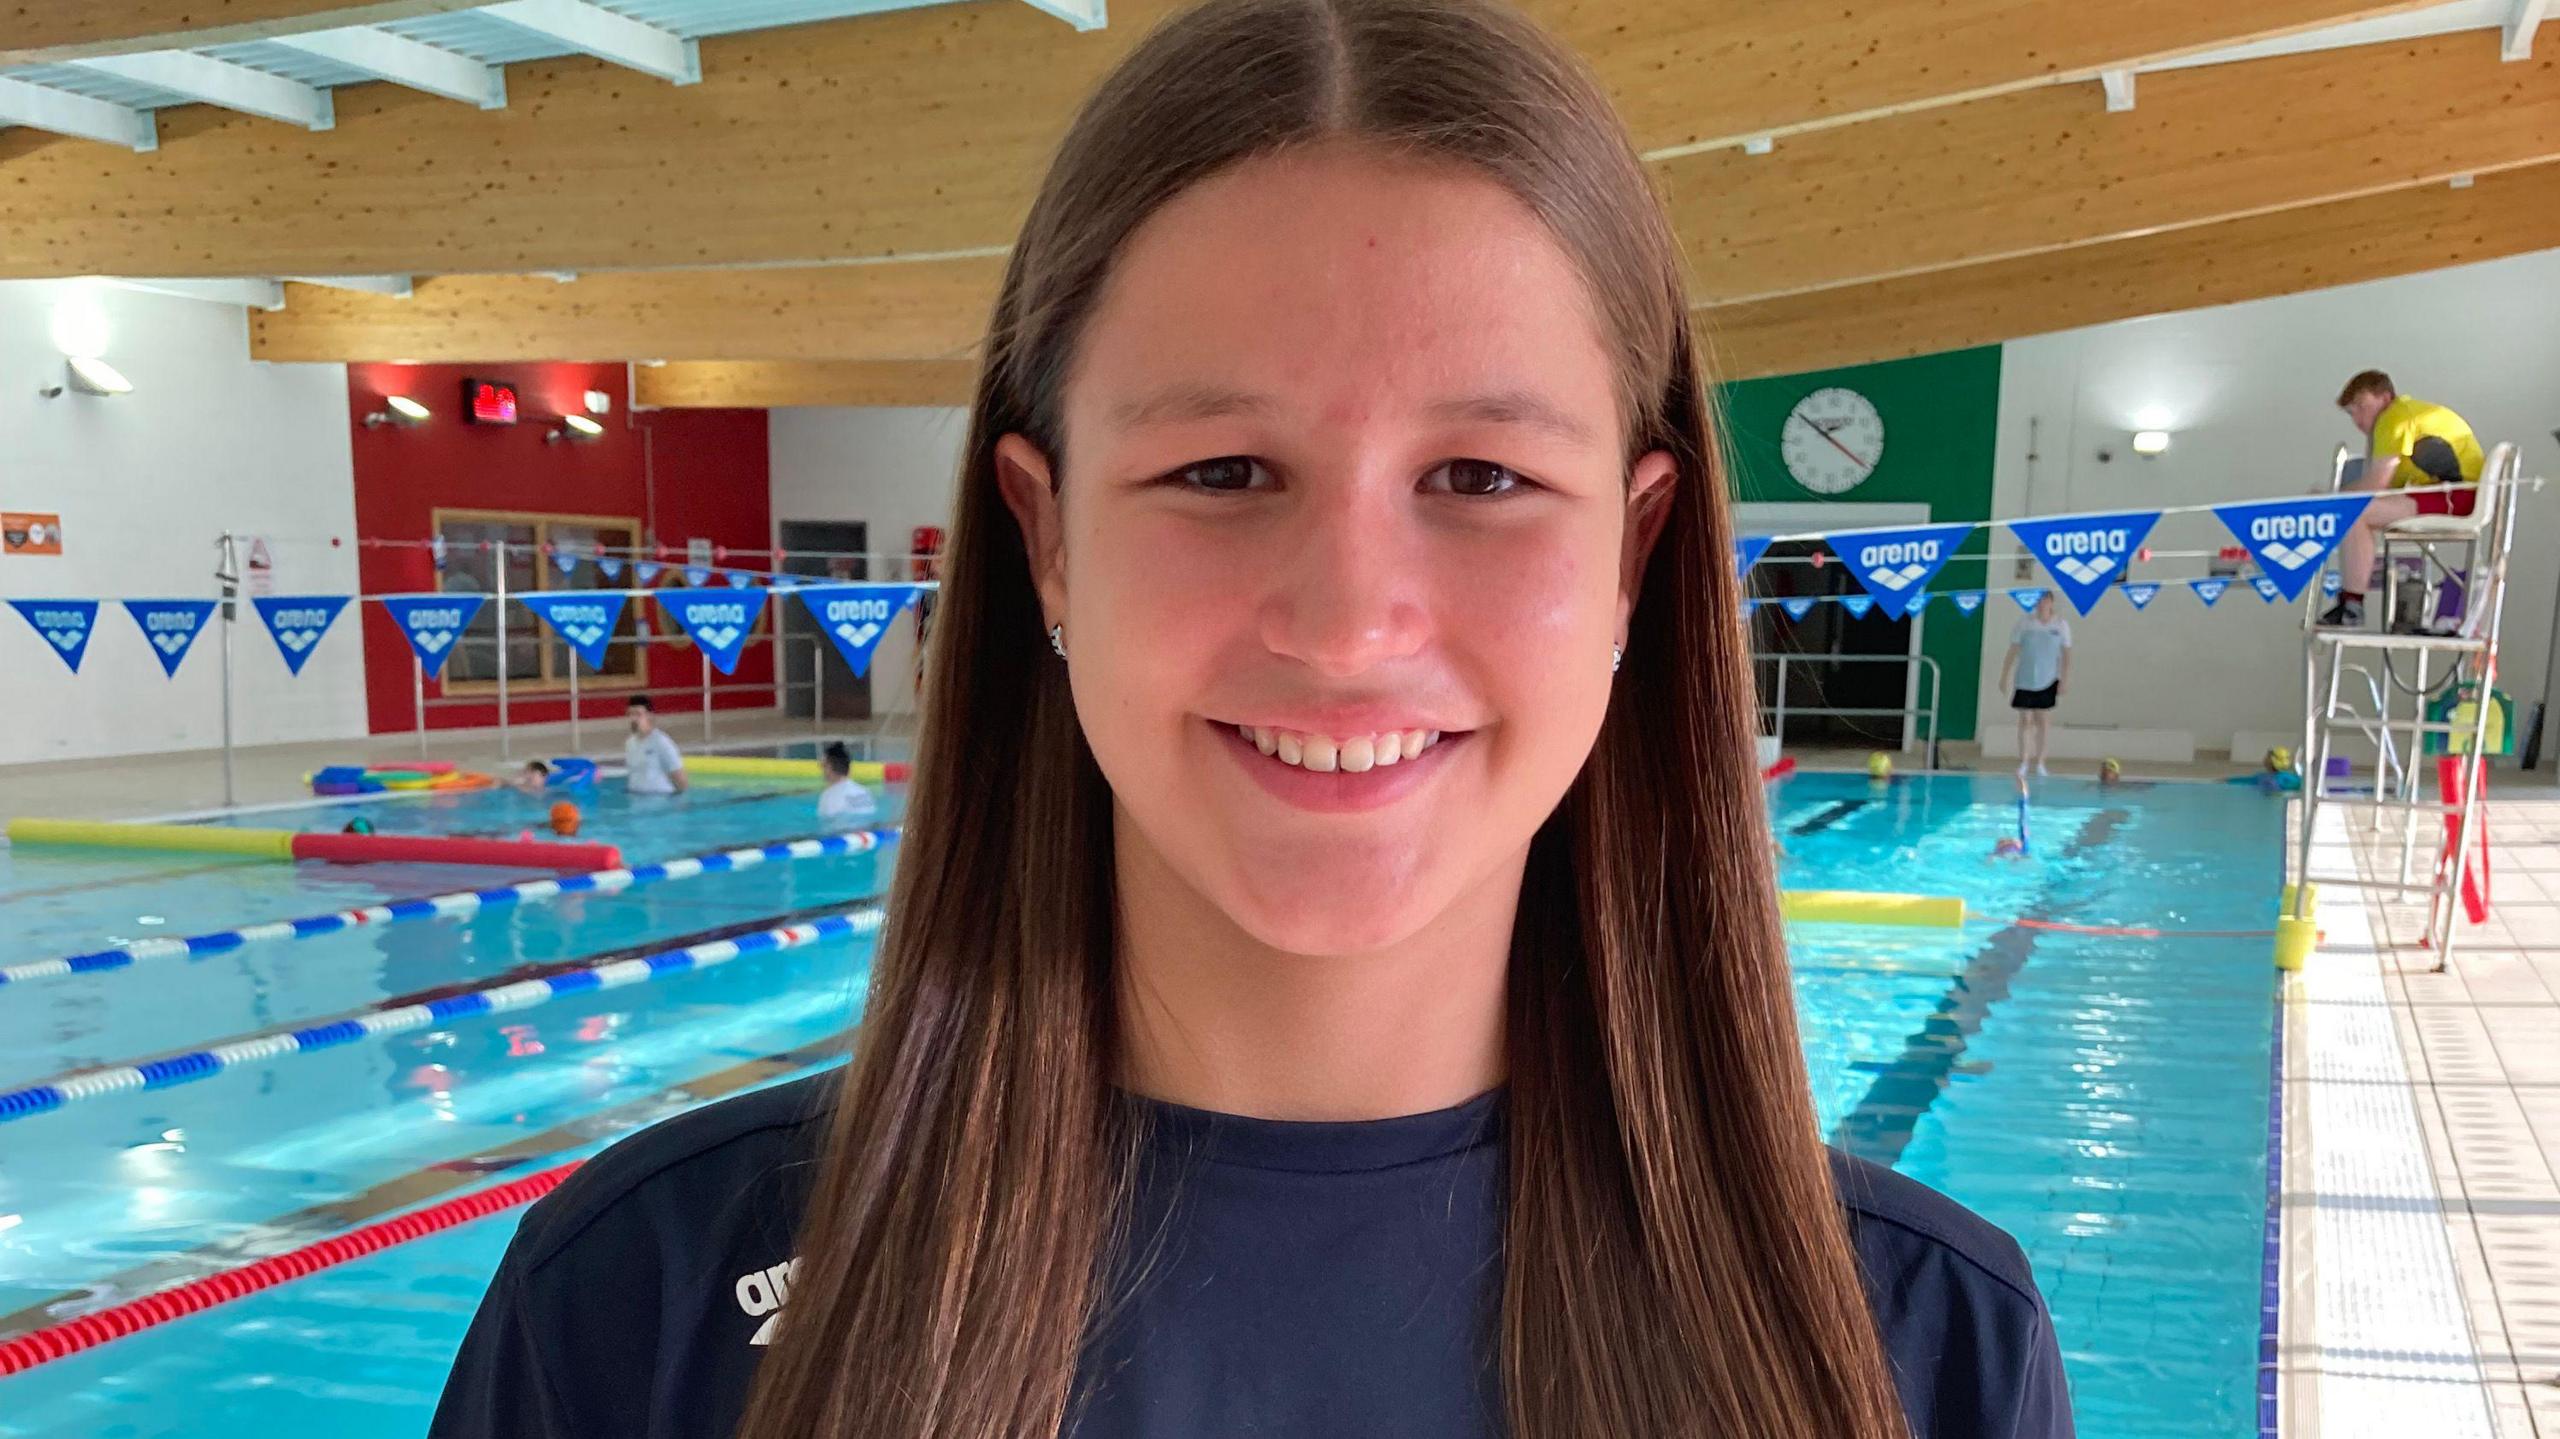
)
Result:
{"points": [[650, 761], [2039, 664], [842, 803]]}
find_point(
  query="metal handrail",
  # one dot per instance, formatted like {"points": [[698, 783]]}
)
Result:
{"points": [[1928, 712]]}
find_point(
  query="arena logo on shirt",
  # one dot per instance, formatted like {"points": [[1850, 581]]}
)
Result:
{"points": [[763, 1292], [2085, 553], [1894, 566]]}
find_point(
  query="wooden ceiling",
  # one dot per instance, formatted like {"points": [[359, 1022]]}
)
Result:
{"points": [[822, 218]]}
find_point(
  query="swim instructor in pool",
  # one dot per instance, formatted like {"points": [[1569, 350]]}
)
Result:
{"points": [[1333, 985]]}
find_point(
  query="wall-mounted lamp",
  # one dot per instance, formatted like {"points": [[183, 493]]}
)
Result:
{"points": [[573, 427], [402, 411], [89, 375], [2150, 442], [599, 402]]}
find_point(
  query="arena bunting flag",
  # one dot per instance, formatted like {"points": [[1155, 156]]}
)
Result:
{"points": [[2267, 588], [566, 559], [1750, 607], [855, 617], [697, 575], [433, 623], [719, 620], [298, 622], [1894, 565], [1747, 551], [645, 571], [1858, 605], [2085, 554], [2209, 590], [171, 626], [1798, 607], [1967, 601], [583, 619], [2140, 596], [739, 579], [65, 624], [2289, 538], [2331, 583], [2026, 598]]}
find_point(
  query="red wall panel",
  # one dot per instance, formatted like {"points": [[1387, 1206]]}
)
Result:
{"points": [[684, 474]]}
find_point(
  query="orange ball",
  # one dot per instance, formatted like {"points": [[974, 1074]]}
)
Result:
{"points": [[564, 818]]}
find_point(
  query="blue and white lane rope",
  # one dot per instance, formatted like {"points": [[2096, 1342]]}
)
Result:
{"points": [[395, 1017], [460, 902]]}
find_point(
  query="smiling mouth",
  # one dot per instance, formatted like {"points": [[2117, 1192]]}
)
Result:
{"points": [[1344, 754]]}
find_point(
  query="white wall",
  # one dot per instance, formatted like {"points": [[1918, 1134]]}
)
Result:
{"points": [[2248, 390], [894, 469], [145, 482]]}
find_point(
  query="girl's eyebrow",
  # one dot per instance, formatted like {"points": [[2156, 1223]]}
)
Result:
{"points": [[1178, 403]]}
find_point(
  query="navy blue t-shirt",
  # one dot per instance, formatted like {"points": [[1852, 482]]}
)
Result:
{"points": [[1295, 1281]]}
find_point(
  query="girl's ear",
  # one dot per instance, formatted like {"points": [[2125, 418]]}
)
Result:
{"points": [[1650, 485], [1029, 483]]}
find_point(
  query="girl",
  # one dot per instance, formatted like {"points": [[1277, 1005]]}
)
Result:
{"points": [[1327, 993]]}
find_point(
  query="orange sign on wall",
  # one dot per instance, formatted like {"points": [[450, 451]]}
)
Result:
{"points": [[30, 534]]}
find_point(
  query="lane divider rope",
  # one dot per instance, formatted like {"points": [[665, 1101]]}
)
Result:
{"points": [[73, 1336], [394, 1016], [460, 902]]}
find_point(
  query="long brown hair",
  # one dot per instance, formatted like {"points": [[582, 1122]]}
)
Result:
{"points": [[1676, 1264]]}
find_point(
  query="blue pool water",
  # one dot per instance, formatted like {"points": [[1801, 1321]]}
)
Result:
{"points": [[2104, 1099]]}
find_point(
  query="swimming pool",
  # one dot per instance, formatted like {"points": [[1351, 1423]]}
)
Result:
{"points": [[2102, 1098]]}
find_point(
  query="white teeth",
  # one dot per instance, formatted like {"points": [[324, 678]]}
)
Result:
{"points": [[1325, 754]]}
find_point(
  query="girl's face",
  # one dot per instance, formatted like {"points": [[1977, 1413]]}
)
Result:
{"points": [[1344, 536]]}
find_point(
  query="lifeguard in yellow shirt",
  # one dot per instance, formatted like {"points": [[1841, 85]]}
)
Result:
{"points": [[2414, 443]]}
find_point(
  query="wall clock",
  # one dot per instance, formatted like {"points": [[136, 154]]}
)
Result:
{"points": [[1832, 440]]}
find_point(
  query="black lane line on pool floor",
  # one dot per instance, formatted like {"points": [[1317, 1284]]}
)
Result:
{"points": [[416, 1187], [1880, 1126], [1839, 810]]}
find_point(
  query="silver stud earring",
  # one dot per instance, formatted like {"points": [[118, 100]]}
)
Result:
{"points": [[1617, 657], [1058, 640]]}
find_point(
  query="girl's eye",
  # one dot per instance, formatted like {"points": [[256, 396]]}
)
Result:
{"points": [[1231, 473], [1473, 477]]}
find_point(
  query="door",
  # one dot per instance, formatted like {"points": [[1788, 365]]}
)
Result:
{"points": [[821, 551]]}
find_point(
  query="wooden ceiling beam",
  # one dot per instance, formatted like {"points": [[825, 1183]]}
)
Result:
{"points": [[2345, 242], [778, 384], [44, 32], [2046, 169], [923, 131]]}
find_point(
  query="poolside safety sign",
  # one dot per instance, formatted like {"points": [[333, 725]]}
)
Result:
{"points": [[433, 623], [2085, 554], [1895, 565], [171, 626], [2289, 538], [2209, 590], [855, 617], [298, 622], [583, 619], [2140, 596], [1747, 551], [721, 621], [65, 625]]}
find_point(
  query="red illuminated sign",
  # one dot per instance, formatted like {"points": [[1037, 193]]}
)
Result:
{"points": [[489, 402]]}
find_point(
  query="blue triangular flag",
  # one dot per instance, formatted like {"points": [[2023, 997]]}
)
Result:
{"points": [[721, 621], [855, 617], [609, 567], [433, 624], [2267, 588], [298, 622], [2140, 596], [1967, 601], [2289, 538], [65, 624], [782, 582], [566, 559], [583, 619], [2331, 583], [171, 626], [1858, 605], [739, 579], [1747, 551], [1894, 565], [2027, 598], [644, 570], [2085, 553], [1798, 607], [1750, 607], [1919, 602], [2209, 590], [697, 575]]}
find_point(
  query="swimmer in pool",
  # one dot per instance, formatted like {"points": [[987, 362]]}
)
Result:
{"points": [[533, 779]]}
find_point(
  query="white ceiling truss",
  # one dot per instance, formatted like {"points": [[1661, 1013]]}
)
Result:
{"points": [[460, 54]]}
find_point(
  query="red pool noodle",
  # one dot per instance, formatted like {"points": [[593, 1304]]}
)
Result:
{"points": [[445, 849]]}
